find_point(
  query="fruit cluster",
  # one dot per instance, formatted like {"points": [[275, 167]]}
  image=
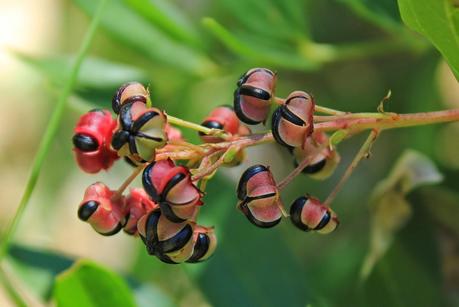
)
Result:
{"points": [[175, 172]]}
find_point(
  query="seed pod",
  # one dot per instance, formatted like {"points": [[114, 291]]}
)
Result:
{"points": [[138, 203], [128, 93], [204, 244], [259, 197], [93, 134], [252, 98], [223, 118], [308, 214], [105, 215], [170, 242], [171, 187], [324, 163], [293, 121], [140, 132]]}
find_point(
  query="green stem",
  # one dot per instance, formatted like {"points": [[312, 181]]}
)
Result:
{"points": [[51, 131], [186, 124], [11, 289]]}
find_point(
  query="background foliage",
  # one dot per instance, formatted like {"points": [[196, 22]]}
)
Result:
{"points": [[348, 53]]}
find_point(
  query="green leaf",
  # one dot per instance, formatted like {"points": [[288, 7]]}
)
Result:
{"points": [[96, 74], [168, 18], [438, 21], [88, 284], [389, 208], [135, 32]]}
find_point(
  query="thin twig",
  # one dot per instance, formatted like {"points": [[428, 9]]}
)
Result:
{"points": [[362, 153]]}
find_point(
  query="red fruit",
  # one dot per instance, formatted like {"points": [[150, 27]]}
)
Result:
{"points": [[259, 197], [252, 98], [308, 213], [92, 138], [171, 187], [223, 118], [293, 121], [170, 242], [140, 132], [323, 162], [204, 244], [128, 93], [138, 203], [105, 215]]}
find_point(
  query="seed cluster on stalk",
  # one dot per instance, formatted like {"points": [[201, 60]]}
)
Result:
{"points": [[165, 210]]}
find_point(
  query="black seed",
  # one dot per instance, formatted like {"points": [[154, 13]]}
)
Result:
{"points": [[275, 120], [200, 248], [87, 209], [248, 173], [176, 242], [255, 92], [165, 258], [295, 213], [291, 117], [85, 143], [116, 103], [324, 221], [169, 213], [151, 231], [119, 139], [148, 184], [315, 168], [212, 125]]}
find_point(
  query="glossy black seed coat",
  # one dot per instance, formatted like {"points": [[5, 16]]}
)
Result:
{"points": [[200, 248], [295, 213], [87, 209], [315, 168], [85, 143]]}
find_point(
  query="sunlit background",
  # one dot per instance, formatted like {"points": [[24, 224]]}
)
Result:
{"points": [[252, 267]]}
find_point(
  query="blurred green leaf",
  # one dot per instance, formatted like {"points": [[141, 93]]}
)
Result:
{"points": [[443, 205], [383, 13], [133, 31], [389, 208], [258, 54], [266, 18], [96, 74], [168, 18], [38, 268], [89, 284], [251, 266], [409, 274], [438, 21]]}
